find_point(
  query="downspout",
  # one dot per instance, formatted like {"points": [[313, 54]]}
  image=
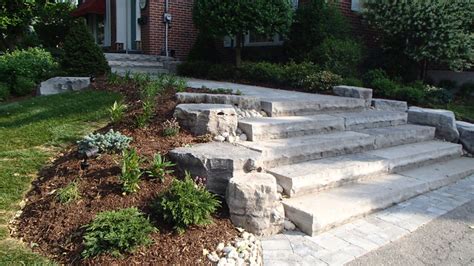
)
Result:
{"points": [[166, 27]]}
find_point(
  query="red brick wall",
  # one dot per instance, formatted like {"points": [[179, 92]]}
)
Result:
{"points": [[182, 32]]}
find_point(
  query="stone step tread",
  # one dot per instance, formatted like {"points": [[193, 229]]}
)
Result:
{"points": [[291, 126], [318, 212], [391, 136], [318, 105], [151, 71], [317, 175]]}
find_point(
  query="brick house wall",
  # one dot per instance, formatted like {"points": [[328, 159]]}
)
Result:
{"points": [[183, 33]]}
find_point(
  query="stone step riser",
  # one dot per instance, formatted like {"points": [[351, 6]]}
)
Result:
{"points": [[288, 127], [335, 172], [341, 205], [278, 109], [273, 157]]}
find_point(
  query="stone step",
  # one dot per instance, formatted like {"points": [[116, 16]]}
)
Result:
{"points": [[265, 128], [372, 119], [279, 152], [142, 70], [293, 126], [135, 57], [144, 64], [323, 104], [318, 212], [318, 175]]}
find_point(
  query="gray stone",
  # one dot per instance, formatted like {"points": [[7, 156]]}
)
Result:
{"points": [[443, 120], [354, 92], [253, 203], [215, 161], [466, 135], [247, 102], [63, 84], [243, 137], [219, 138], [203, 119], [389, 105]]}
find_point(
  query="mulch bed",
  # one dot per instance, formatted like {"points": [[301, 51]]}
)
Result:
{"points": [[56, 230]]}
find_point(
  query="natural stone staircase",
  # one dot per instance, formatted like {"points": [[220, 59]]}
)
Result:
{"points": [[335, 158], [140, 63]]}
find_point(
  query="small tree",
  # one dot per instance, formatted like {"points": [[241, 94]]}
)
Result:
{"points": [[53, 23], [15, 17], [82, 56], [237, 17], [437, 31]]}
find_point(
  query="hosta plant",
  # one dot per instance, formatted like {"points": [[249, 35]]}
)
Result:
{"points": [[117, 111]]}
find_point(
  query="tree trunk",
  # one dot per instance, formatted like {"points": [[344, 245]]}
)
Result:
{"points": [[424, 65], [238, 49]]}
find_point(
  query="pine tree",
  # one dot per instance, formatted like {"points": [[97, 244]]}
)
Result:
{"points": [[82, 56]]}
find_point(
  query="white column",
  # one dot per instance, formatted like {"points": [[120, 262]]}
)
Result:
{"points": [[108, 24], [121, 22], [138, 31]]}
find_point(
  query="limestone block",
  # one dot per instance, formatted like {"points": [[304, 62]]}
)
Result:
{"points": [[254, 204], [466, 135], [216, 161], [203, 119], [443, 120], [63, 84], [241, 101], [389, 105], [354, 92]]}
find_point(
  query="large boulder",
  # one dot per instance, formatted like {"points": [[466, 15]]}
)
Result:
{"points": [[202, 119], [216, 162], [466, 135], [389, 105], [443, 120], [63, 84], [354, 92], [254, 204]]}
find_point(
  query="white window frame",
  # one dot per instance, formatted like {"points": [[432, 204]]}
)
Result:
{"points": [[356, 5]]}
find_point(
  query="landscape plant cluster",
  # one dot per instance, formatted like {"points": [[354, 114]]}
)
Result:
{"points": [[182, 204]]}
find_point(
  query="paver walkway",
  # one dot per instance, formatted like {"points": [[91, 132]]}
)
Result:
{"points": [[355, 239]]}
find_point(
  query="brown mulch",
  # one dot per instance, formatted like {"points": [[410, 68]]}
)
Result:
{"points": [[56, 230]]}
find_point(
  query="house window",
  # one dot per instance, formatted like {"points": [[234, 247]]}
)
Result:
{"points": [[356, 5], [256, 39]]}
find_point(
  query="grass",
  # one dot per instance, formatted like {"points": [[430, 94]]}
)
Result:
{"points": [[32, 131]]}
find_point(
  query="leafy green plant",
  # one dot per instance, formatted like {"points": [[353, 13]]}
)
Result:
{"points": [[294, 74], [436, 95], [340, 56], [117, 111], [69, 193], [114, 79], [425, 31], [21, 70], [185, 204], [466, 90], [198, 69], [353, 82], [4, 91], [262, 72], [82, 56], [171, 128], [131, 171], [148, 92], [322, 81], [53, 22], [110, 142], [116, 232], [160, 167], [374, 74], [315, 21]]}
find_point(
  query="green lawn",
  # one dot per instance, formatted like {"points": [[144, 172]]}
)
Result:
{"points": [[31, 133]]}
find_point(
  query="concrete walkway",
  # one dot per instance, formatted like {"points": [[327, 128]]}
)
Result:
{"points": [[350, 241]]}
